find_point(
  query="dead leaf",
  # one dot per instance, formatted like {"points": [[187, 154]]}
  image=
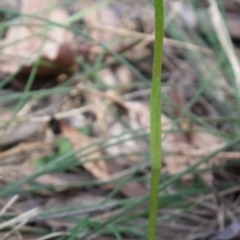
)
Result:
{"points": [[185, 148], [106, 16], [14, 172], [203, 139], [137, 17], [233, 22], [138, 113], [230, 232], [130, 189], [22, 148], [118, 76], [137, 118], [61, 180], [21, 167], [23, 42], [231, 5], [134, 189], [73, 200], [78, 140], [20, 132]]}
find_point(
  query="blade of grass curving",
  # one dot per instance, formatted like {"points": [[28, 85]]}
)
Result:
{"points": [[82, 223], [115, 231]]}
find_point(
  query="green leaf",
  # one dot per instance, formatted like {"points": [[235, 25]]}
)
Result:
{"points": [[63, 147]]}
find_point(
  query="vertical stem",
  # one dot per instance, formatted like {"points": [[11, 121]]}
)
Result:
{"points": [[155, 122]]}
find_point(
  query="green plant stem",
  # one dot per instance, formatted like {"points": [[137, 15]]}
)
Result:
{"points": [[155, 122]]}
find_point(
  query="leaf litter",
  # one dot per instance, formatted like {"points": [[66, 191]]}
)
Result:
{"points": [[97, 130], [32, 39]]}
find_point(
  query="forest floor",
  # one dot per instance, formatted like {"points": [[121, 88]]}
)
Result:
{"points": [[75, 81]]}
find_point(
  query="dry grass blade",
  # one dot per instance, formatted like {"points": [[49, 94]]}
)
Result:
{"points": [[9, 204], [224, 38], [53, 235], [15, 229], [21, 148], [27, 215], [150, 38]]}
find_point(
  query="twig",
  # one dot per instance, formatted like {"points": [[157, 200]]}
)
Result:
{"points": [[16, 228], [53, 235], [224, 38], [20, 218], [9, 204], [150, 38]]}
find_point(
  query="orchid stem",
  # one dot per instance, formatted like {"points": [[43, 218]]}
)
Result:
{"points": [[155, 118]]}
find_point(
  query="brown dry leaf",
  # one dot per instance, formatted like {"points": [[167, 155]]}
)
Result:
{"points": [[130, 189], [122, 147], [19, 161], [73, 200], [230, 232], [98, 168], [19, 152], [104, 22], [61, 180], [173, 145], [25, 41], [21, 127], [106, 16], [96, 106], [233, 22], [137, 117], [133, 190], [20, 132], [181, 152], [183, 149], [231, 5], [118, 76], [203, 139], [138, 16], [14, 172]]}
